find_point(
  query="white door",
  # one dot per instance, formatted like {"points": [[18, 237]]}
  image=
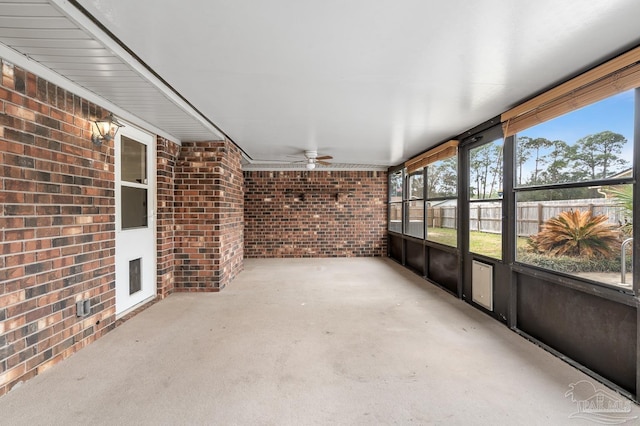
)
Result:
{"points": [[135, 225]]}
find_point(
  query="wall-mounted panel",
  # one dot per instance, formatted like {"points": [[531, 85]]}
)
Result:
{"points": [[482, 284]]}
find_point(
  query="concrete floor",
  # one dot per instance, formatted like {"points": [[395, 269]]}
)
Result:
{"points": [[309, 341]]}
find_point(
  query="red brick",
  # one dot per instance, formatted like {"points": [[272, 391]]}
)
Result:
{"points": [[48, 176], [208, 181], [314, 214]]}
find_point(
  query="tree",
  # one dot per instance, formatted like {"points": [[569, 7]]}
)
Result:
{"points": [[442, 178], [395, 186], [536, 146], [597, 155], [523, 153], [416, 185], [486, 168], [479, 162], [624, 196], [557, 163], [496, 171]]}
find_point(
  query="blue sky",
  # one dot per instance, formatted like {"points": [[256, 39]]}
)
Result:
{"points": [[614, 113]]}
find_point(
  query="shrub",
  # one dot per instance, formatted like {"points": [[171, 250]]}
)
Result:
{"points": [[570, 265], [577, 234]]}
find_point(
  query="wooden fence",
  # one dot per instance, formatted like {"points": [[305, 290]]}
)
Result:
{"points": [[487, 216], [531, 215]]}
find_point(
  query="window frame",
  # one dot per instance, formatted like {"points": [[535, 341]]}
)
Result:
{"points": [[495, 134], [408, 198], [630, 180], [390, 203], [428, 199]]}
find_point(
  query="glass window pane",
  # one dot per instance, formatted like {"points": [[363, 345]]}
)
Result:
{"points": [[485, 171], [134, 207], [485, 228], [442, 178], [395, 217], [416, 186], [581, 236], [395, 187], [414, 224], [442, 219], [485, 181], [133, 157], [592, 143]]}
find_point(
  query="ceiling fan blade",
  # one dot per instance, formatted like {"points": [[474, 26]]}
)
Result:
{"points": [[325, 157], [324, 163]]}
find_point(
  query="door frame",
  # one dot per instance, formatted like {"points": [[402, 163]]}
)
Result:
{"points": [[502, 279], [149, 256]]}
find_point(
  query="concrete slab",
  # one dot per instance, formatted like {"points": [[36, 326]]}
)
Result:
{"points": [[310, 341]]}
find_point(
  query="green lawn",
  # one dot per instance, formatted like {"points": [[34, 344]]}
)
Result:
{"points": [[479, 242], [446, 236]]}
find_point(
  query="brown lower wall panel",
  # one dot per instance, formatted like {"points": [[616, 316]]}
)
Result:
{"points": [[414, 256], [395, 247], [443, 268], [597, 333]]}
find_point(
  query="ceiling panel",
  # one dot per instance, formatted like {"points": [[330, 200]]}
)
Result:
{"points": [[65, 67], [56, 36], [13, 21], [26, 8], [50, 59], [55, 33], [53, 43]]}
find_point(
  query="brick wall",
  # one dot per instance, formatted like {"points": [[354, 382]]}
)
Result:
{"points": [[167, 155], [315, 214], [231, 216], [57, 223], [56, 226], [208, 216]]}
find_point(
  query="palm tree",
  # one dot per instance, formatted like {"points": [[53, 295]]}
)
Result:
{"points": [[624, 196]]}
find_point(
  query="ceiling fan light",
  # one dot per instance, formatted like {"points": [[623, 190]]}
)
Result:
{"points": [[311, 166]]}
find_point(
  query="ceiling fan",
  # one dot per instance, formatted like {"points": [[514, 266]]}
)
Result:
{"points": [[311, 159]]}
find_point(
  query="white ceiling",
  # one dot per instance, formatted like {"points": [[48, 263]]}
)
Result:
{"points": [[367, 81]]}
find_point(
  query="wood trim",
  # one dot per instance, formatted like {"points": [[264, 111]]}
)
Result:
{"points": [[616, 64], [445, 150], [614, 83]]}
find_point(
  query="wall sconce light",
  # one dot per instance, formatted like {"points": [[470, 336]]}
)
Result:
{"points": [[106, 128]]}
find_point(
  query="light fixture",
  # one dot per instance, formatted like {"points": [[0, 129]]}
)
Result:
{"points": [[106, 127], [311, 164]]}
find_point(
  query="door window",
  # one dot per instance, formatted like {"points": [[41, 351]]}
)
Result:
{"points": [[485, 199], [133, 176]]}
